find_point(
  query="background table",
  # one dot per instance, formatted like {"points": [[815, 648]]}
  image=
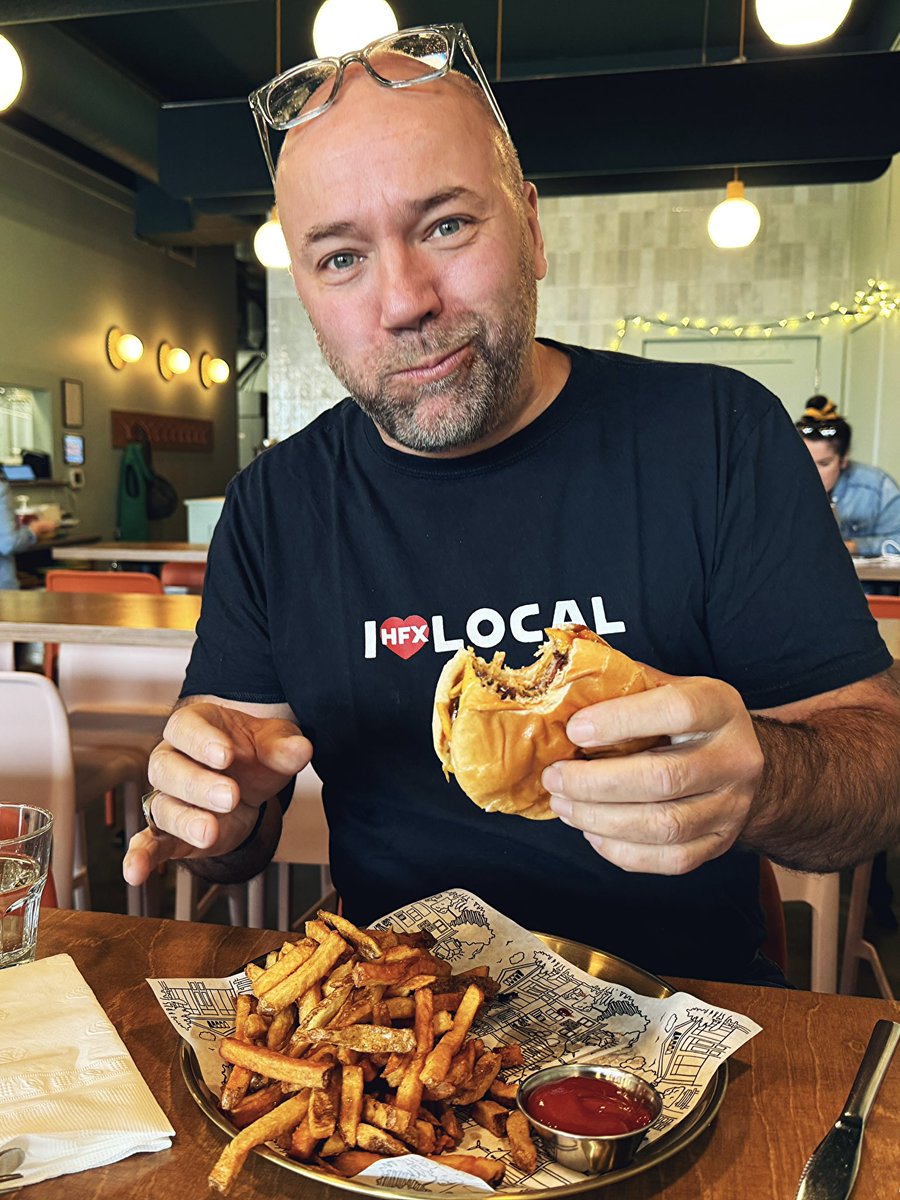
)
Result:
{"points": [[106, 552], [787, 1084], [879, 572], [130, 619]]}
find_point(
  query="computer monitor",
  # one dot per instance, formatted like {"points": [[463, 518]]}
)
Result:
{"points": [[73, 449], [17, 473]]}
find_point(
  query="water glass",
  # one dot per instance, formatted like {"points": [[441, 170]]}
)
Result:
{"points": [[26, 836]]}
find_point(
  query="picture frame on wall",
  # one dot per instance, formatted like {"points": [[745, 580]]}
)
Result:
{"points": [[72, 403]]}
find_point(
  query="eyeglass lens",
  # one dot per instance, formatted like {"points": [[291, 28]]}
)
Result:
{"points": [[428, 48]]}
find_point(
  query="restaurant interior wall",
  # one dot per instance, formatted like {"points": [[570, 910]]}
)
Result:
{"points": [[617, 255], [72, 267], [871, 391]]}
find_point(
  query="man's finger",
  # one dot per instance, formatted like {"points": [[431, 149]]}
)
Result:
{"points": [[282, 748], [667, 773], [688, 706], [659, 860], [185, 822], [197, 730], [146, 851], [178, 775], [670, 823]]}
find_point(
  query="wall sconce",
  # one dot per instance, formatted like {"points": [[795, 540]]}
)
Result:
{"points": [[213, 370], [122, 348], [173, 360]]}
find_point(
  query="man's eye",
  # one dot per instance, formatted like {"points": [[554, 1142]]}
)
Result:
{"points": [[341, 261], [448, 227]]}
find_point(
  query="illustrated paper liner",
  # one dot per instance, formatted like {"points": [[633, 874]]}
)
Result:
{"points": [[556, 1012]]}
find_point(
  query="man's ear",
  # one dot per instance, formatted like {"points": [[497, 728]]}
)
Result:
{"points": [[530, 196]]}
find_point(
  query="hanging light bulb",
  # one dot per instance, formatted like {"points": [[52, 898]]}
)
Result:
{"points": [[343, 25], [736, 221], [11, 73], [799, 22], [269, 244]]}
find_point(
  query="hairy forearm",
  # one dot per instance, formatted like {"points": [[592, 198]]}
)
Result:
{"points": [[244, 863], [829, 795]]}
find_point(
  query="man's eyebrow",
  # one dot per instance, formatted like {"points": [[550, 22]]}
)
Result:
{"points": [[419, 208]]}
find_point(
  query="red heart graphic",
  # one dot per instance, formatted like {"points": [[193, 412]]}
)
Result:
{"points": [[405, 635]]}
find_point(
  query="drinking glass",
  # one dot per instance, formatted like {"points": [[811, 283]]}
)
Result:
{"points": [[26, 835]]}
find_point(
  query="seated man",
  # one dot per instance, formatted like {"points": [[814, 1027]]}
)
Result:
{"points": [[480, 485]]}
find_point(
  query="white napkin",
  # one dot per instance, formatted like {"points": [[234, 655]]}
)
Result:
{"points": [[70, 1094]]}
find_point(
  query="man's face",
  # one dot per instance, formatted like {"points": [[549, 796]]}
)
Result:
{"points": [[828, 462], [415, 259]]}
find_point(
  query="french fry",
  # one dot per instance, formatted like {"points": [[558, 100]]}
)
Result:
{"points": [[303, 1143], [288, 962], [351, 1162], [370, 1039], [511, 1055], [280, 1120], [491, 1170], [437, 1064], [299, 1071], [450, 1123], [378, 1141], [281, 1027], [360, 938], [256, 1105], [503, 1091], [310, 972], [483, 1075], [239, 1079], [409, 1093], [490, 1116], [350, 1111], [323, 1109], [521, 1143]]}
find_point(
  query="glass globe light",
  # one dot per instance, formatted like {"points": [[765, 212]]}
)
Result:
{"points": [[736, 221], [343, 25], [800, 22], [269, 244], [11, 73]]}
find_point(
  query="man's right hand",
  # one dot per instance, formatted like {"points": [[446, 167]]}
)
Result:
{"points": [[214, 768]]}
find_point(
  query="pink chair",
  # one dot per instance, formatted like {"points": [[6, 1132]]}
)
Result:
{"points": [[37, 765], [183, 577]]}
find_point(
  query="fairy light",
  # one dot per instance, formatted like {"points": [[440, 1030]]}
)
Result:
{"points": [[877, 299]]}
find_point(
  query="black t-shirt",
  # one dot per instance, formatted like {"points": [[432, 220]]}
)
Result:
{"points": [[670, 507]]}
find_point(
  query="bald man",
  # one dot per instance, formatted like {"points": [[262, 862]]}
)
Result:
{"points": [[477, 486]]}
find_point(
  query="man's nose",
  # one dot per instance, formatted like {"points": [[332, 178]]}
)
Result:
{"points": [[407, 288]]}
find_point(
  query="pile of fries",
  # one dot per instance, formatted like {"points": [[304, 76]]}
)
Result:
{"points": [[356, 1046]]}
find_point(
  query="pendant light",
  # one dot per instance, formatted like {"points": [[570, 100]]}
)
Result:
{"points": [[343, 25], [800, 22], [11, 73], [736, 221], [269, 244]]}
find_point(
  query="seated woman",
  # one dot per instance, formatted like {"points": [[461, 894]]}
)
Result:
{"points": [[866, 498]]}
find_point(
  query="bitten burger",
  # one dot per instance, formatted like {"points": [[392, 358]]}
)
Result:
{"points": [[496, 727]]}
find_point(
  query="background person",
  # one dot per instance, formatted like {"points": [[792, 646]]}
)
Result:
{"points": [[479, 485], [867, 499], [15, 538]]}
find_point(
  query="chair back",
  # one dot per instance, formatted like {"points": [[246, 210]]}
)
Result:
{"points": [[304, 833], [59, 580], [141, 679], [775, 945], [36, 762], [7, 657], [183, 577]]}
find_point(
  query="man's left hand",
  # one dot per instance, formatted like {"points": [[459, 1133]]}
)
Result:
{"points": [[667, 810]]}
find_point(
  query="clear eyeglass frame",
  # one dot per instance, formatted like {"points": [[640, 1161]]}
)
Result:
{"points": [[295, 86]]}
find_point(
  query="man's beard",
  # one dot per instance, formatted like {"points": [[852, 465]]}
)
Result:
{"points": [[479, 397]]}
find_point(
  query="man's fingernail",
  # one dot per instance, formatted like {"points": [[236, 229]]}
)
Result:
{"points": [[215, 754], [562, 807], [552, 779], [197, 831], [580, 731], [220, 797]]}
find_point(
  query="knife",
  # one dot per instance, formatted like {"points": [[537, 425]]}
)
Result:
{"points": [[831, 1170]]}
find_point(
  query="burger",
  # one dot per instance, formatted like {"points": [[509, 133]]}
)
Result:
{"points": [[496, 728]]}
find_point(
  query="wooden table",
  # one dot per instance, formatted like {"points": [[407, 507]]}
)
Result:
{"points": [[193, 552], [787, 1084], [130, 619], [871, 571]]}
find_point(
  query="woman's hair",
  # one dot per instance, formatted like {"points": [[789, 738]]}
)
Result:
{"points": [[821, 422]]}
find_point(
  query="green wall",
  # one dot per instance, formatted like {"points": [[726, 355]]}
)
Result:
{"points": [[70, 267]]}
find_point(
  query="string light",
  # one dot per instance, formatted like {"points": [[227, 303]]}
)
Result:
{"points": [[877, 299], [801, 22]]}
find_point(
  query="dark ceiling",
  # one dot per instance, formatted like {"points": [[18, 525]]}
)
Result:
{"points": [[600, 95]]}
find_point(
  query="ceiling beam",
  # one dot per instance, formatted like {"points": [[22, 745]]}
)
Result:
{"points": [[24, 12], [619, 125]]}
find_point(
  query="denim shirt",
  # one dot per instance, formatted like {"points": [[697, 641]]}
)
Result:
{"points": [[13, 538], [868, 505]]}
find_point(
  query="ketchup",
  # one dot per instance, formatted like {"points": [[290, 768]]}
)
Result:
{"points": [[584, 1104]]}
